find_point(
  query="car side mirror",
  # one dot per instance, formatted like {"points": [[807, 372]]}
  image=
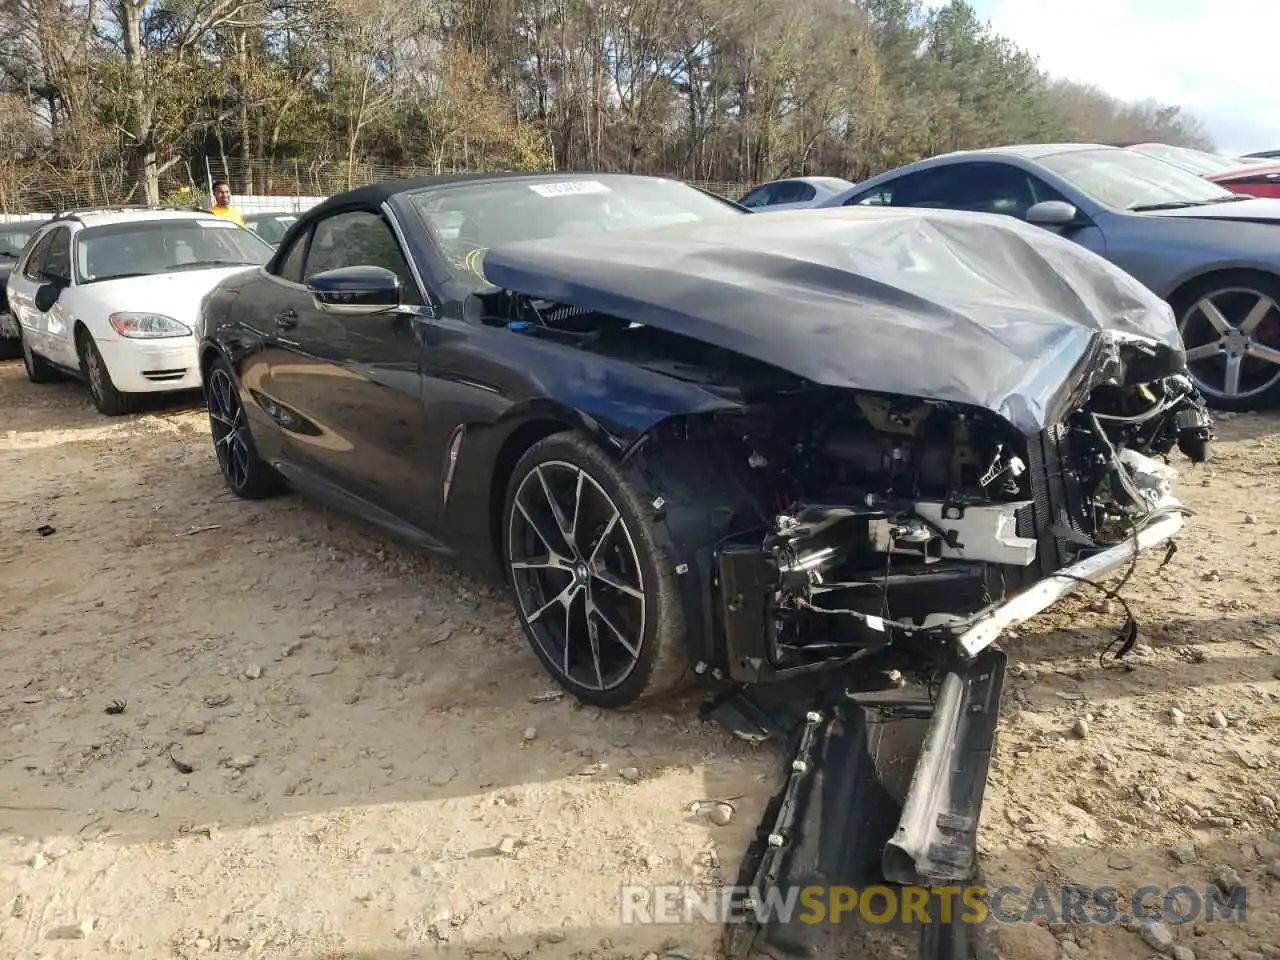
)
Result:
{"points": [[47, 295], [354, 291], [1053, 213]]}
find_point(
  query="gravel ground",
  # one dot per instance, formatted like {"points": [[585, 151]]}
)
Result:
{"points": [[334, 747]]}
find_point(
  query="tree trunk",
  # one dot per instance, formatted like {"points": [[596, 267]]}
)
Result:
{"points": [[142, 150]]}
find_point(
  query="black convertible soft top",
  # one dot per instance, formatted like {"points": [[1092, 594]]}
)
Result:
{"points": [[970, 308]]}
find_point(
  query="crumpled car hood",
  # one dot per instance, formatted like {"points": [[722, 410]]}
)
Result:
{"points": [[968, 308]]}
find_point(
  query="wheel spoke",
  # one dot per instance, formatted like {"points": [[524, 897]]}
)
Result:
{"points": [[562, 598], [1231, 381], [1256, 315], [535, 526], [1204, 352], [551, 561], [617, 631], [556, 512], [1214, 315], [594, 559], [1259, 352], [609, 580], [572, 533], [593, 638]]}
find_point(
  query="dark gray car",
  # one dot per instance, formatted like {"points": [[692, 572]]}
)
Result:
{"points": [[1212, 254]]}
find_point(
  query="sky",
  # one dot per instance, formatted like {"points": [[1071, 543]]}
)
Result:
{"points": [[1218, 59]]}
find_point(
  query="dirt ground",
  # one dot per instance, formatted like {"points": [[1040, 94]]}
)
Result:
{"points": [[334, 747]]}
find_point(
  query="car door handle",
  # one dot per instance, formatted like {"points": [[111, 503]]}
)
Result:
{"points": [[287, 319]]}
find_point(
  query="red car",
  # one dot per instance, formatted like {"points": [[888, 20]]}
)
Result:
{"points": [[1253, 176]]}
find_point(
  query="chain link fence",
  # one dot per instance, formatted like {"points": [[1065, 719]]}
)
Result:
{"points": [[24, 191]]}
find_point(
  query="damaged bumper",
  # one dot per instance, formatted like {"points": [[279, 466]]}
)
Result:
{"points": [[1167, 522]]}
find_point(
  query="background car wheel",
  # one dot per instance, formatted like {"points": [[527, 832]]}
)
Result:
{"points": [[39, 370], [1230, 324], [10, 348], [247, 474], [108, 400], [595, 594]]}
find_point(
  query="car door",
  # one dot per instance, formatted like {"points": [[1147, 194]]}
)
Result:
{"points": [[51, 332], [24, 280], [273, 301], [356, 381]]}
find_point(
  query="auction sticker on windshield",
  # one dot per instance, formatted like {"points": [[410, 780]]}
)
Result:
{"points": [[568, 188], [217, 224]]}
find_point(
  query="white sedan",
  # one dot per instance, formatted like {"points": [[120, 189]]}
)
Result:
{"points": [[112, 297]]}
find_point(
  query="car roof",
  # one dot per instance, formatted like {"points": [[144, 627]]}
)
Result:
{"points": [[375, 194], [1029, 151], [98, 218]]}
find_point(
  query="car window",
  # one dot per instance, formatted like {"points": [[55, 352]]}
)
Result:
{"points": [[291, 265], [487, 213], [928, 188], [1125, 180], [57, 259], [793, 191], [273, 228], [978, 187], [35, 260], [358, 238], [13, 238], [877, 197], [139, 248], [759, 197]]}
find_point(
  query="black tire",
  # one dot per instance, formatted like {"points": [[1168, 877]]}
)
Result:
{"points": [[10, 348], [659, 662], [245, 473], [39, 370], [1237, 291], [109, 401]]}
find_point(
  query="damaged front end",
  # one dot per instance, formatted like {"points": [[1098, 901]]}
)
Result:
{"points": [[906, 537], [928, 426]]}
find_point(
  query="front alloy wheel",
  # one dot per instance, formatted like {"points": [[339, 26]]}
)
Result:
{"points": [[600, 612], [247, 474], [1232, 336]]}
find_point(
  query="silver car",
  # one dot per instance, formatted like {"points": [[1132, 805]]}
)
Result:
{"points": [[1212, 254], [793, 193]]}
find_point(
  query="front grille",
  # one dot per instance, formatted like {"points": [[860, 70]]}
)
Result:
{"points": [[1054, 516]]}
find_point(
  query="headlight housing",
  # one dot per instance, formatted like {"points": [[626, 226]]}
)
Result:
{"points": [[147, 326]]}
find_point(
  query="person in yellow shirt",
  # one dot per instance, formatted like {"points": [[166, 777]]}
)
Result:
{"points": [[222, 203]]}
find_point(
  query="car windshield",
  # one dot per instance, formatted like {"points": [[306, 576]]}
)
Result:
{"points": [[13, 238], [1125, 180], [145, 247], [1193, 161], [272, 228], [467, 219]]}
